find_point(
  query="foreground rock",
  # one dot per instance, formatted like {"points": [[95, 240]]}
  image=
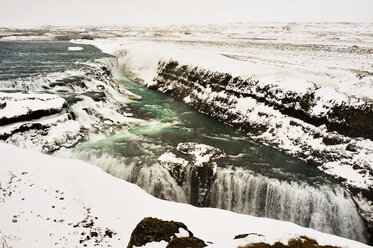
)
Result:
{"points": [[301, 242], [176, 234], [186, 242]]}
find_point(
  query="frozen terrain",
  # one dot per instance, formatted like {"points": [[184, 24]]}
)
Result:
{"points": [[302, 89], [48, 201], [305, 89]]}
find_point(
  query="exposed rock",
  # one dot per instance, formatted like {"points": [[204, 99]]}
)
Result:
{"points": [[203, 169], [351, 147], [241, 236], [153, 229], [18, 107], [106, 71], [174, 165], [202, 153], [301, 242], [2, 105], [334, 139], [186, 242]]}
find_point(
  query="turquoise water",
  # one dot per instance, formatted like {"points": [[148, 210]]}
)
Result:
{"points": [[27, 59], [169, 122]]}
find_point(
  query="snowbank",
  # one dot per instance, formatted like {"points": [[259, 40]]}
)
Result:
{"points": [[48, 201], [19, 105], [75, 48]]}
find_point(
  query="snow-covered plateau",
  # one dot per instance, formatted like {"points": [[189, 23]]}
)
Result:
{"points": [[53, 202]]}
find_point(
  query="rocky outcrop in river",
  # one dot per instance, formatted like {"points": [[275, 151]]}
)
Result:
{"points": [[201, 169]]}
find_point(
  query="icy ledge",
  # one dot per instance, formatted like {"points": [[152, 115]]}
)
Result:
{"points": [[40, 122], [47, 201]]}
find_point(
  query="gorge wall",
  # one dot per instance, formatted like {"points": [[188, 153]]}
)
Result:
{"points": [[319, 125]]}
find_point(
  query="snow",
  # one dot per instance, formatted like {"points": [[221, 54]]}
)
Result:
{"points": [[352, 176], [75, 48], [45, 197], [202, 153], [288, 57], [244, 104], [182, 233], [169, 157], [291, 66], [19, 104], [154, 244], [335, 55]]}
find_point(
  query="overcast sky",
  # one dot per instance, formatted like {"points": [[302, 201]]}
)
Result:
{"points": [[27, 13]]}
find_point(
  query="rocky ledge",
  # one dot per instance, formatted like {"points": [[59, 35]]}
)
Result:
{"points": [[200, 167], [63, 109], [38, 121]]}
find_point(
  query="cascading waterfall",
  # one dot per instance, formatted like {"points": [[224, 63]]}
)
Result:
{"points": [[325, 208], [154, 179]]}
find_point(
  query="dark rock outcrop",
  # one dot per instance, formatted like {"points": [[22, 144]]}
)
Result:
{"points": [[176, 166], [301, 242], [155, 230], [187, 242], [201, 168]]}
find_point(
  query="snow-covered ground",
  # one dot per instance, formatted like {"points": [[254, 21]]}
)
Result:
{"points": [[333, 54], [53, 202]]}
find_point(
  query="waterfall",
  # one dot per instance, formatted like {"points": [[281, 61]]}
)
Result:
{"points": [[325, 208], [154, 179]]}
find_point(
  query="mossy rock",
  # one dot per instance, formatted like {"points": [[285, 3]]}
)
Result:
{"points": [[186, 242], [155, 230]]}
